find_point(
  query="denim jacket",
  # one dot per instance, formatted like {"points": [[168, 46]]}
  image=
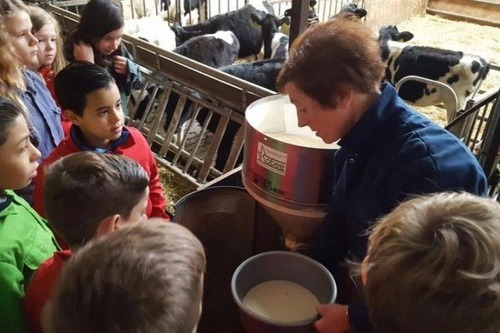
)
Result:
{"points": [[45, 116]]}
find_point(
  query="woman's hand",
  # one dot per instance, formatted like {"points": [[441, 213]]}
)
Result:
{"points": [[83, 52], [120, 64], [334, 318]]}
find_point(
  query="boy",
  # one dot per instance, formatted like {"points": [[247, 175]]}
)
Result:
{"points": [[86, 195], [145, 277], [25, 238], [433, 266], [89, 95]]}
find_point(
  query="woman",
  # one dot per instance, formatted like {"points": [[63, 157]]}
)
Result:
{"points": [[388, 152]]}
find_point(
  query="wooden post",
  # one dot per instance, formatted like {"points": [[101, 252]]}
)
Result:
{"points": [[299, 18]]}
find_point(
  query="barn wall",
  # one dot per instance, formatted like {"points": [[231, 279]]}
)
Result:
{"points": [[485, 12], [392, 11]]}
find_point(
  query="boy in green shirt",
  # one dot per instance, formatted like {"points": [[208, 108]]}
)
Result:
{"points": [[25, 239]]}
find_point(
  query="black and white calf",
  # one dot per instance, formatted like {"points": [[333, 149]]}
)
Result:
{"points": [[352, 8], [214, 50], [238, 21], [271, 38], [262, 73], [462, 72]]}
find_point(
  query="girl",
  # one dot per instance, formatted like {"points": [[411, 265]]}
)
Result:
{"points": [[97, 39], [25, 239], [50, 57], [45, 116]]}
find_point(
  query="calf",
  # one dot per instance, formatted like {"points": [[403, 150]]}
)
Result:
{"points": [[463, 73], [152, 29], [190, 5], [214, 50], [269, 27], [238, 21], [262, 73], [352, 8]]}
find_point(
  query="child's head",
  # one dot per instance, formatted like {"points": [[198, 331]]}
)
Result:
{"points": [[101, 25], [46, 30], [16, 21], [433, 265], [146, 277], [87, 194], [91, 98], [18, 156]]}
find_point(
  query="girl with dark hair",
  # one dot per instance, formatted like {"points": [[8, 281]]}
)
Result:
{"points": [[97, 39], [25, 239]]}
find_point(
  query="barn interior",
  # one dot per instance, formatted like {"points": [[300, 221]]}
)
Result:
{"points": [[200, 156]]}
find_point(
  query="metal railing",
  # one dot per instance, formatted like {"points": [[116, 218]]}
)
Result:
{"points": [[211, 102], [482, 135]]}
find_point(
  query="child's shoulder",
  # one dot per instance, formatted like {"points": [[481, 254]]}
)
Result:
{"points": [[64, 148], [23, 233], [33, 77], [136, 134]]}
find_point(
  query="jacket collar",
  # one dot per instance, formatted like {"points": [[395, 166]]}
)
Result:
{"points": [[367, 133], [77, 138]]}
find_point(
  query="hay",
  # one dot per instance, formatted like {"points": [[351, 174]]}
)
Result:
{"points": [[174, 187], [470, 38]]}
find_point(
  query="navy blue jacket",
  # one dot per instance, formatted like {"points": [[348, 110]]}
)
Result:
{"points": [[392, 153]]}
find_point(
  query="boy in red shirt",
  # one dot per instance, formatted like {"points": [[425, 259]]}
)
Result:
{"points": [[91, 99], [86, 195]]}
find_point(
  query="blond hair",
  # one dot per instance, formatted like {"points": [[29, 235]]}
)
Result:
{"points": [[40, 18], [145, 277], [434, 266], [12, 80]]}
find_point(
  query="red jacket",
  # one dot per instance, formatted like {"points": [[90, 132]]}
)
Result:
{"points": [[134, 146], [40, 289]]}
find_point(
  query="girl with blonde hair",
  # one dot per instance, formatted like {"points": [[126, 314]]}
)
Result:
{"points": [[50, 57], [44, 114]]}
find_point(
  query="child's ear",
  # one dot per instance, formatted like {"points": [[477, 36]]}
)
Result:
{"points": [[73, 117], [108, 224]]}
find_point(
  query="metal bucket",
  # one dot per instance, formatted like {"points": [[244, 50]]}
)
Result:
{"points": [[280, 265], [292, 181], [293, 172], [232, 228]]}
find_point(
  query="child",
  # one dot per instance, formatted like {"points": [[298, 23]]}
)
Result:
{"points": [[146, 277], [44, 114], [433, 265], [97, 39], [25, 239], [89, 95], [86, 195], [50, 57]]}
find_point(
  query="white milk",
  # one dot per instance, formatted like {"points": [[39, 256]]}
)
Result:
{"points": [[302, 140], [282, 301]]}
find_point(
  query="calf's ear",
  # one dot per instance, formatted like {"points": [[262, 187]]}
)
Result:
{"points": [[406, 36], [256, 18]]}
